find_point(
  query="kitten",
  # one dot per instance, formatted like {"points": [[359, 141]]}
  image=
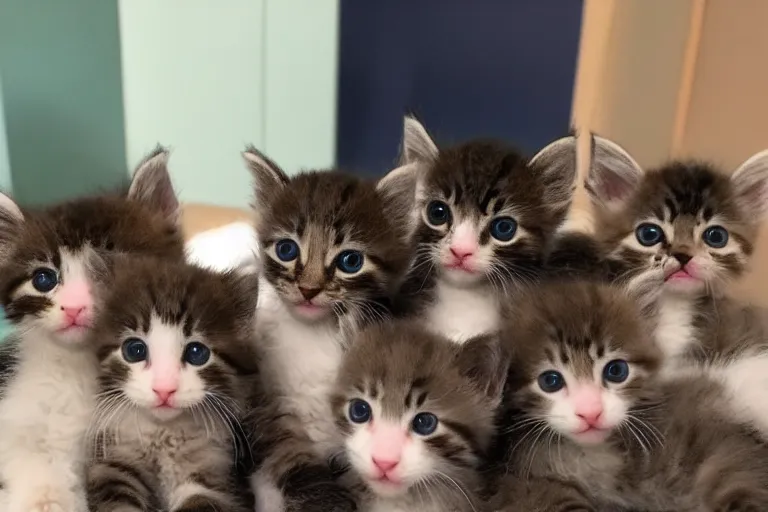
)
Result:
{"points": [[49, 261], [176, 354], [694, 230], [599, 430], [482, 216], [417, 412], [333, 253]]}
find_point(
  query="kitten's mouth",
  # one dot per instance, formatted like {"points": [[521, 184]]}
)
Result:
{"points": [[680, 275], [309, 310], [592, 435]]}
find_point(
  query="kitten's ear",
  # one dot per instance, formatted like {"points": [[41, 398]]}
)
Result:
{"points": [[245, 293], [557, 163], [398, 191], [268, 177], [483, 360], [417, 145], [613, 174], [151, 185], [750, 183], [11, 220]]}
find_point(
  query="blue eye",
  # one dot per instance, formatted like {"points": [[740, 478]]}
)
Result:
{"points": [[424, 423], [350, 261], [504, 228], [616, 371], [287, 250], [44, 279], [438, 213], [135, 350], [649, 234], [715, 236], [196, 354], [551, 381], [359, 411]]}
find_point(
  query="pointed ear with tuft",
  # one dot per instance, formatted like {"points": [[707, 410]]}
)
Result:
{"points": [[398, 191], [557, 162], [268, 177], [750, 184], [11, 221], [483, 360], [151, 185], [417, 145], [613, 174]]}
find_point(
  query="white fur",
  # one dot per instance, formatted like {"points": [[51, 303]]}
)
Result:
{"points": [[674, 331], [460, 313], [44, 416], [747, 381], [230, 246]]}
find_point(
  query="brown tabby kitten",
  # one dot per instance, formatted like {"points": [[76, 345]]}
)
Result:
{"points": [[482, 216], [417, 414], [692, 229], [175, 346], [596, 427], [49, 263], [333, 251]]}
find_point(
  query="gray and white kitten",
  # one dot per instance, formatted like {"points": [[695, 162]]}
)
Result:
{"points": [[591, 426], [692, 229], [417, 412], [482, 218], [176, 356], [51, 264], [333, 252]]}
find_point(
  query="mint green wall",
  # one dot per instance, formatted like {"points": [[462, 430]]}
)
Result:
{"points": [[60, 65], [5, 164]]}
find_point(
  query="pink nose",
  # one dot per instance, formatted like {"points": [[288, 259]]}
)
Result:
{"points": [[385, 465], [73, 313], [164, 394], [591, 417], [460, 252]]}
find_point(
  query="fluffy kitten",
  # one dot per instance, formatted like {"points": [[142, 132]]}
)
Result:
{"points": [[694, 230], [176, 353], [333, 253], [594, 428], [49, 260], [482, 216], [417, 412]]}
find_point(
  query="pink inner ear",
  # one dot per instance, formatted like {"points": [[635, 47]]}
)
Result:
{"points": [[614, 188]]}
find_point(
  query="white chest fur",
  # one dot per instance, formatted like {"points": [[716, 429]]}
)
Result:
{"points": [[460, 313], [674, 331], [44, 417], [302, 361]]}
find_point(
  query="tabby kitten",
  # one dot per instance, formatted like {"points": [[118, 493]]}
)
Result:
{"points": [[50, 260], [694, 230], [417, 413], [333, 253], [599, 430], [482, 216], [176, 354]]}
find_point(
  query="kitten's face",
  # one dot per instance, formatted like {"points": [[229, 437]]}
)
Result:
{"points": [[51, 260], [329, 248], [175, 338], [416, 410], [685, 222], [484, 213], [583, 358]]}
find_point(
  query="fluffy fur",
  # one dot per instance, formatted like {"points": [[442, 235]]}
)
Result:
{"points": [[333, 253], [404, 378], [482, 216], [604, 432], [176, 354], [51, 265]]}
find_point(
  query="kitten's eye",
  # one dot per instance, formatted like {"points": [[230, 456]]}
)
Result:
{"points": [[135, 350], [196, 354], [44, 280], [350, 261], [287, 250], [359, 411], [649, 234], [616, 371], [424, 423], [715, 236], [438, 213], [503, 228], [551, 381]]}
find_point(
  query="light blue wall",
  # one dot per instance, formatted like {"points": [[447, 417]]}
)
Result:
{"points": [[5, 163]]}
